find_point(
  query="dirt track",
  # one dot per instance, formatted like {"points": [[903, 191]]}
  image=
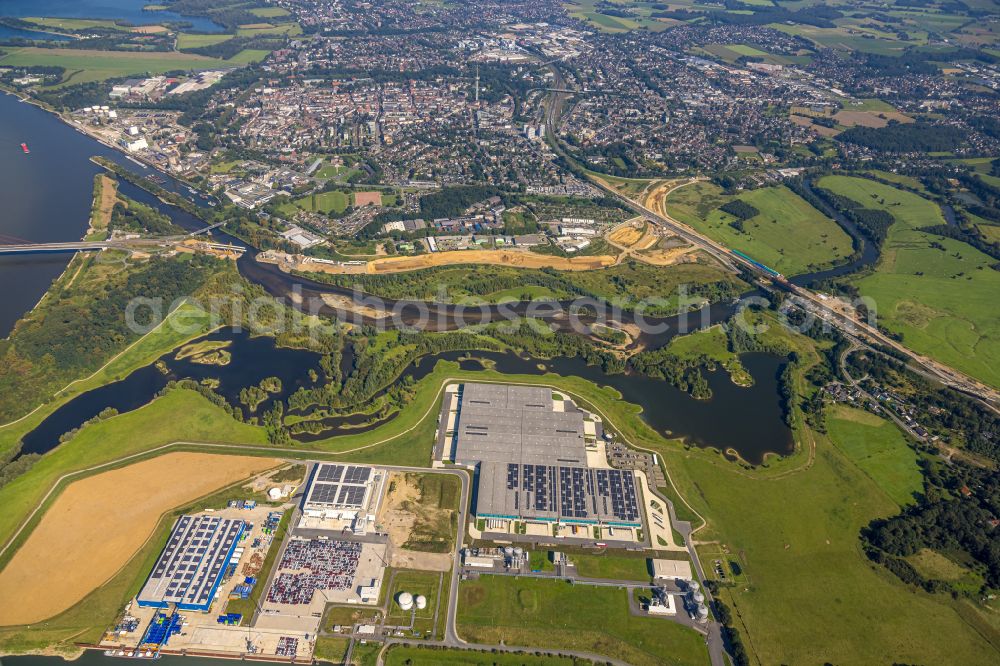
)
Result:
{"points": [[109, 194], [514, 258], [98, 523]]}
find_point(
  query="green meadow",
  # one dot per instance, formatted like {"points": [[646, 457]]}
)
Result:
{"points": [[879, 449], [323, 202], [556, 614], [939, 294], [812, 596], [787, 234], [83, 66]]}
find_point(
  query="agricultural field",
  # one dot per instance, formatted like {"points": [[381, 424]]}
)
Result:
{"points": [[260, 29], [521, 611], [98, 523], [83, 66], [787, 234], [195, 41], [879, 449], [269, 12], [733, 52], [938, 293]]}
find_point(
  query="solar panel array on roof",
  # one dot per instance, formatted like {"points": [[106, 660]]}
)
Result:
{"points": [[339, 486], [533, 460], [330, 473], [557, 492], [190, 568]]}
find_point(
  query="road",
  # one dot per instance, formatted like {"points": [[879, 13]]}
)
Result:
{"points": [[815, 304]]}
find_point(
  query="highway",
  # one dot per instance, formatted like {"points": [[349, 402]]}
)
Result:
{"points": [[807, 299]]}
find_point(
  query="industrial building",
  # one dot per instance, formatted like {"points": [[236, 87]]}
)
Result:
{"points": [[190, 568], [529, 449], [340, 496]]}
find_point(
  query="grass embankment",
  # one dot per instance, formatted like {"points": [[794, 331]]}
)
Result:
{"points": [[787, 234], [939, 294], [556, 614], [191, 322]]}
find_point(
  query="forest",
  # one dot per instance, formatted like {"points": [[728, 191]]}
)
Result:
{"points": [[76, 330], [918, 137]]}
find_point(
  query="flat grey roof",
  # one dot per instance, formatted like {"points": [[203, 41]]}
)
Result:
{"points": [[516, 424], [533, 460]]}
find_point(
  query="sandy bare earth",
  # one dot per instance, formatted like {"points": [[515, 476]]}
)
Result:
{"points": [[515, 258], [98, 523]]}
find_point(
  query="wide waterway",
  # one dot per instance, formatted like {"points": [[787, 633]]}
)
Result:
{"points": [[130, 11], [46, 197], [50, 193]]}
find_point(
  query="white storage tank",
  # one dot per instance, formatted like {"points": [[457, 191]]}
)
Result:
{"points": [[405, 600], [421, 602]]}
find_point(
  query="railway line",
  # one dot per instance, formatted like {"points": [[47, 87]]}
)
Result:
{"points": [[734, 260]]}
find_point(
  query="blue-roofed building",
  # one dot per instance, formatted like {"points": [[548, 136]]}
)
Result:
{"points": [[190, 569]]}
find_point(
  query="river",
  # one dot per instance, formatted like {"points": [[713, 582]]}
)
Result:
{"points": [[46, 197], [126, 10], [752, 425], [50, 193]]}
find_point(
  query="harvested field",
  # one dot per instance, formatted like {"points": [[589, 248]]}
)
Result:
{"points": [[515, 258], [803, 121], [98, 523], [150, 29], [870, 118], [367, 199]]}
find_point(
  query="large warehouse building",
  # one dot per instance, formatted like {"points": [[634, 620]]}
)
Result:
{"points": [[190, 568], [530, 451]]}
